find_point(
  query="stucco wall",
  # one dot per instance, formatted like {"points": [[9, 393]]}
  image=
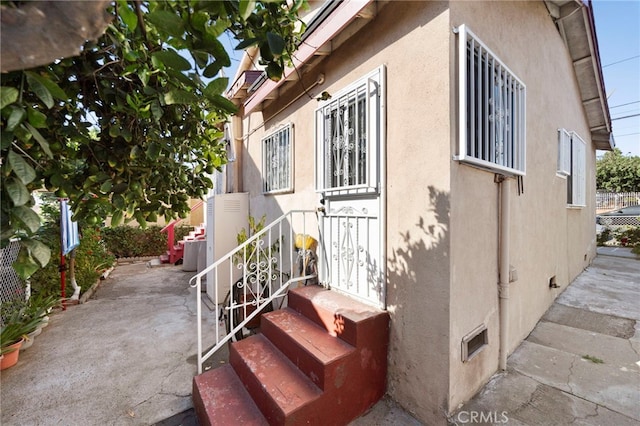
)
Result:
{"points": [[547, 238], [442, 216], [411, 40]]}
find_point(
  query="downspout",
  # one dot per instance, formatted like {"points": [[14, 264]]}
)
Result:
{"points": [[236, 129], [246, 63], [504, 222]]}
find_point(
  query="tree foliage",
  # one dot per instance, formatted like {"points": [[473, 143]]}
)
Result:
{"points": [[132, 127], [618, 173]]}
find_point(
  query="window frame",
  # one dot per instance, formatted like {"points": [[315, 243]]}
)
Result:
{"points": [[372, 88], [267, 168], [577, 180], [497, 147], [563, 168]]}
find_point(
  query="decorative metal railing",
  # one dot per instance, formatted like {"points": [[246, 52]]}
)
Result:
{"points": [[255, 277]]}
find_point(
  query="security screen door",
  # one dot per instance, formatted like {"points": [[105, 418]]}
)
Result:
{"points": [[349, 132]]}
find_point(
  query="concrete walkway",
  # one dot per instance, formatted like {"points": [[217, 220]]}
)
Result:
{"points": [[581, 363], [127, 357]]}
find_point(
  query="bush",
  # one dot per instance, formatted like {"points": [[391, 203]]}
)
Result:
{"points": [[628, 236], [91, 256], [128, 241]]}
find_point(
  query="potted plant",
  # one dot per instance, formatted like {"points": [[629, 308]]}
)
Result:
{"points": [[12, 333], [34, 316]]}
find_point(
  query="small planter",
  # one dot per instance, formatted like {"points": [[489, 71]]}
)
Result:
{"points": [[30, 338], [9, 359]]}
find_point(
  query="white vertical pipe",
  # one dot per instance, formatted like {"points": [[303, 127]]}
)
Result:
{"points": [[503, 290]]}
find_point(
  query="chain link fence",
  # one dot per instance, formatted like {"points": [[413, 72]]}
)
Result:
{"points": [[11, 286]]}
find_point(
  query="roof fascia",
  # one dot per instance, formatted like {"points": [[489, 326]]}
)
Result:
{"points": [[339, 19]]}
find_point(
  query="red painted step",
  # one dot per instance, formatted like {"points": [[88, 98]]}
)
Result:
{"points": [[340, 315], [218, 394], [281, 391], [308, 346], [321, 361]]}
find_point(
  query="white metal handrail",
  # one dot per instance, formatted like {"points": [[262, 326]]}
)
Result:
{"points": [[262, 261]]}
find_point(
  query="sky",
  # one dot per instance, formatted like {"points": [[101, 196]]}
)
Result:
{"points": [[618, 31]]}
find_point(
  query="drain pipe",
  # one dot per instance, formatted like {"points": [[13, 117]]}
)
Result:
{"points": [[503, 260]]}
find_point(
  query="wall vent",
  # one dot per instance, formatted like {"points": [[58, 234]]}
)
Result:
{"points": [[474, 342]]}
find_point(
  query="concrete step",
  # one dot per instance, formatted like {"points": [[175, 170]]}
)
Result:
{"points": [[316, 353], [220, 398], [281, 391]]}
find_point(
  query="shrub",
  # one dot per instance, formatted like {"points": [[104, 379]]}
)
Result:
{"points": [[128, 241], [91, 258]]}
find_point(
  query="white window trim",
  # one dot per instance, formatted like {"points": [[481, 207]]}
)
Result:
{"points": [[374, 83], [563, 168], [578, 171], [265, 167], [518, 148]]}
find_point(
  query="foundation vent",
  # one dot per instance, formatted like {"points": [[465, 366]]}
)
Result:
{"points": [[474, 342]]}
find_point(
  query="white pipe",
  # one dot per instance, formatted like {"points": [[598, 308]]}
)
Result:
{"points": [[503, 289]]}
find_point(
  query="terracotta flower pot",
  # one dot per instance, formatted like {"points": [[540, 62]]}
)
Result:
{"points": [[9, 359]]}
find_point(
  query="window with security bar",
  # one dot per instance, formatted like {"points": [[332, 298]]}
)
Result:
{"points": [[277, 161], [347, 132], [491, 109]]}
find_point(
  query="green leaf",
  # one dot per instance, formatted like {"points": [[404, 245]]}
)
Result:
{"points": [[172, 59], [120, 188], [276, 43], [141, 220], [217, 86], [179, 97], [17, 191], [116, 218], [274, 71], [39, 89], [222, 103], [27, 216], [246, 43], [246, 7], [200, 19], [17, 115], [106, 186], [24, 265], [42, 141], [153, 151], [21, 168], [38, 250], [36, 118], [167, 22], [128, 16], [8, 95], [212, 69], [51, 86]]}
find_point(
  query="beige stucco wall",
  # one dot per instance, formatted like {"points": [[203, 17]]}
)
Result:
{"points": [[442, 217], [547, 238]]}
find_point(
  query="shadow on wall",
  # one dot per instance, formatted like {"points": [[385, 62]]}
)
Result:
{"points": [[418, 302]]}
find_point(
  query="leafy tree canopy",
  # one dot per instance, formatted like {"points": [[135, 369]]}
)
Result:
{"points": [[618, 173], [132, 126]]}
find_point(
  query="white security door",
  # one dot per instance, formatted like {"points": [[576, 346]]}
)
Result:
{"points": [[349, 157]]}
